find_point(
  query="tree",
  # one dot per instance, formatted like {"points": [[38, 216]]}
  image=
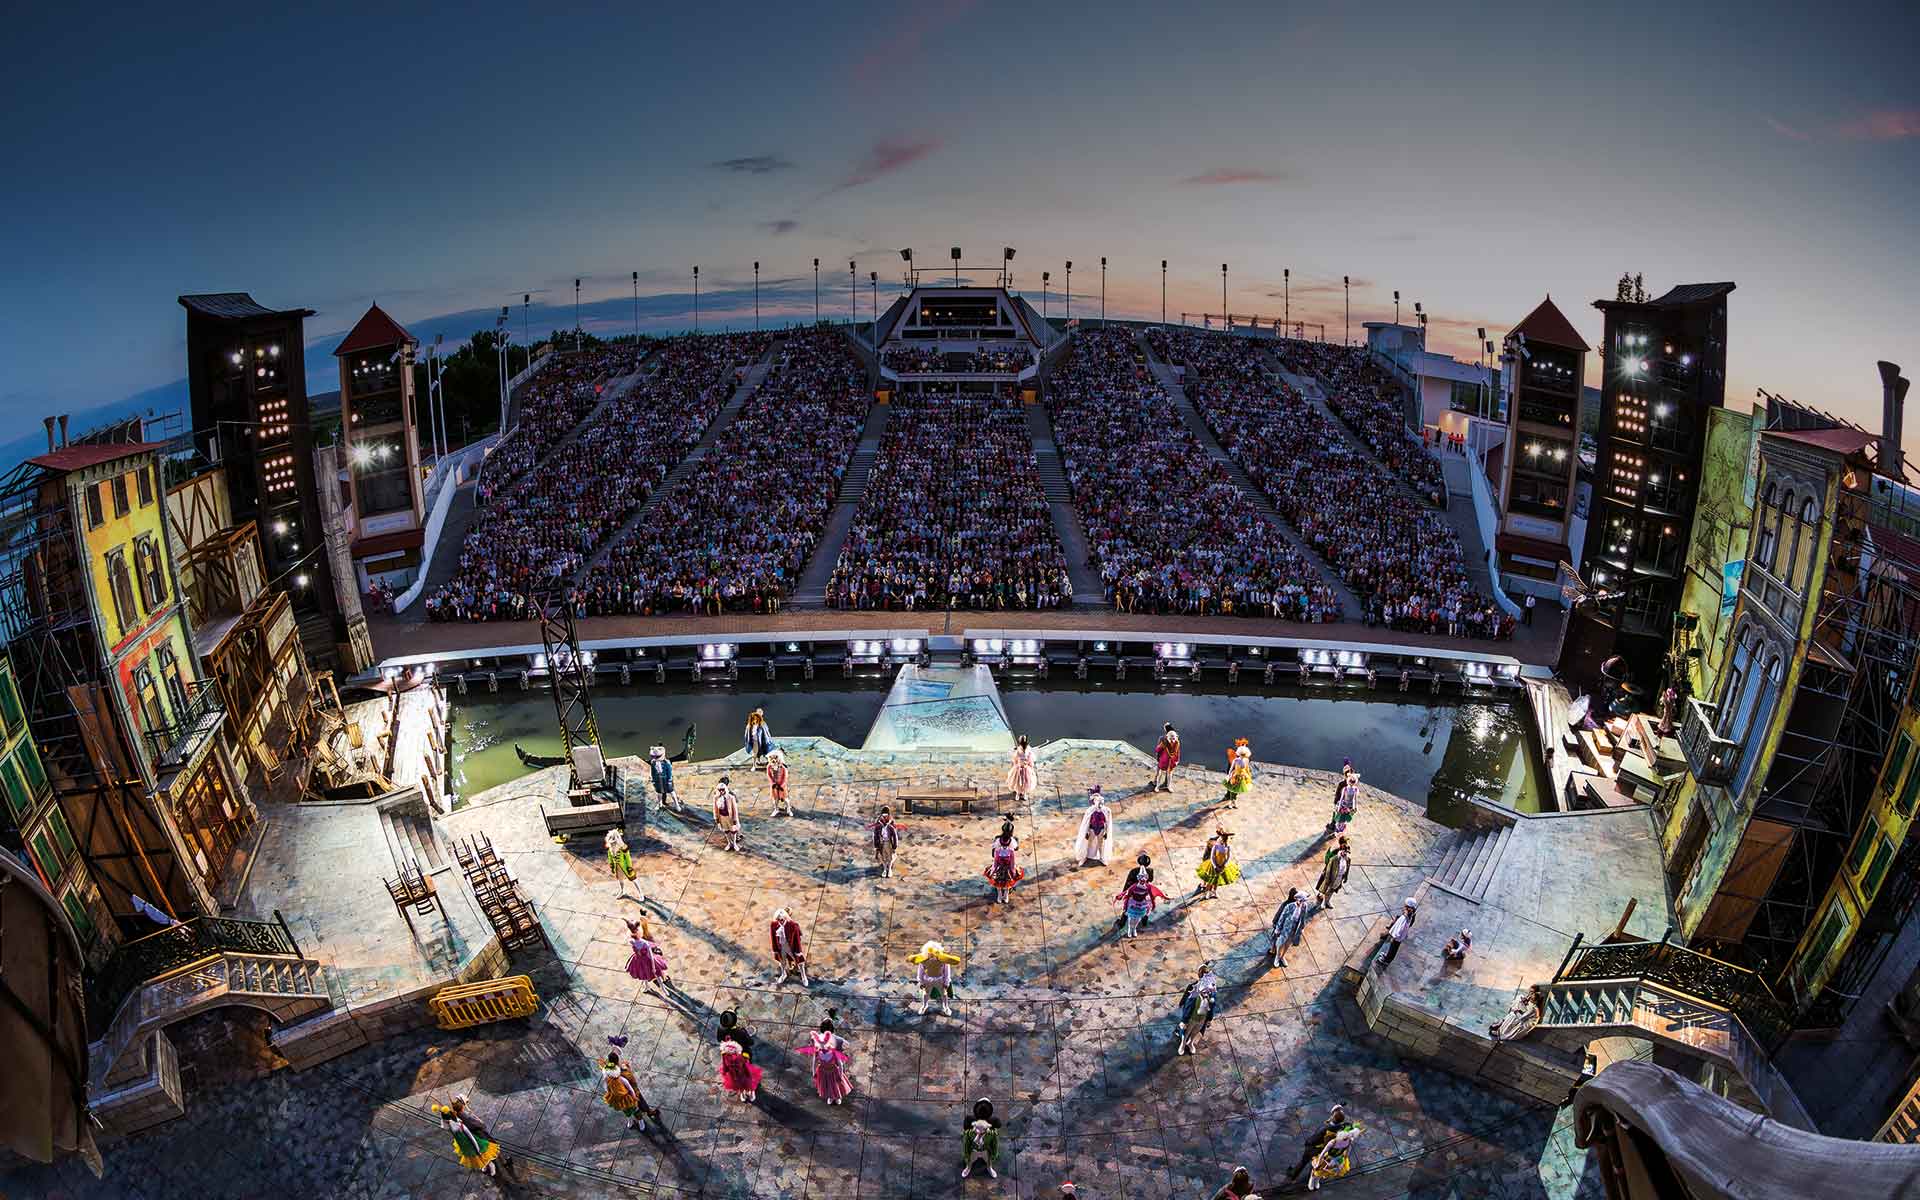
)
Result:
{"points": [[1632, 288]]}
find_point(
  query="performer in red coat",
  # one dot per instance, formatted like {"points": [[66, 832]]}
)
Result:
{"points": [[784, 933]]}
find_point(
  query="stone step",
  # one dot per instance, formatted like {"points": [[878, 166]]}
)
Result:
{"points": [[1475, 882]]}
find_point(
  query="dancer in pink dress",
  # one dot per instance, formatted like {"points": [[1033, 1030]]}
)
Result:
{"points": [[829, 1053], [737, 1073], [649, 962]]}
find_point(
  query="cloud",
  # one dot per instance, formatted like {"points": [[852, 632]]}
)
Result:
{"points": [[783, 225], [1220, 175], [1880, 125], [754, 164], [1884, 125], [886, 156], [897, 52]]}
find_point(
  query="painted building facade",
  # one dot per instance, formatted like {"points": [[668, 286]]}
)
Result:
{"points": [[1799, 744]]}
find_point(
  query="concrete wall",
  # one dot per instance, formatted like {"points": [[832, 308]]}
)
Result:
{"points": [[346, 1029]]}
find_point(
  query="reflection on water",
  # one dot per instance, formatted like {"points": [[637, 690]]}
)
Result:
{"points": [[1445, 750]]}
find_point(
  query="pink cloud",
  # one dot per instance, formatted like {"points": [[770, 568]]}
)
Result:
{"points": [[1237, 175], [889, 155], [1879, 125], [1882, 125], [898, 50]]}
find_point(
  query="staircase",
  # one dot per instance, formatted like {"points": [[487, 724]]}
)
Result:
{"points": [[853, 484], [1350, 605], [316, 637], [1471, 861], [1087, 587], [1641, 1008], [462, 511], [408, 828]]}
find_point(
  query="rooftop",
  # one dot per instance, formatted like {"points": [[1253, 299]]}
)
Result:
{"points": [[74, 458], [374, 330], [1546, 323], [235, 306]]}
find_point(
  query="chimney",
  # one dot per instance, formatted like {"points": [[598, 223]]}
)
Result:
{"points": [[1893, 407], [63, 429]]}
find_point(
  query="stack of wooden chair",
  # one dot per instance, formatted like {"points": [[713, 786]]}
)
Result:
{"points": [[512, 915]]}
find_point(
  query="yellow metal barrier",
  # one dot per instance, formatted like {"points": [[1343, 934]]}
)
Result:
{"points": [[468, 1004]]}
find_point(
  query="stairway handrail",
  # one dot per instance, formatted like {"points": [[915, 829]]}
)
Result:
{"points": [[176, 947]]}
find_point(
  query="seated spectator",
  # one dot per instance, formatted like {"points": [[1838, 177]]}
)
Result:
{"points": [[953, 513]]}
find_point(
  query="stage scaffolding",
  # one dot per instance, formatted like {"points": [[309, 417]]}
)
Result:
{"points": [[50, 633], [1856, 682], [571, 671]]}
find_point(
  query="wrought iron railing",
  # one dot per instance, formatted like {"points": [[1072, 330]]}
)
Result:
{"points": [[1710, 757], [1697, 976], [169, 741], [168, 950]]}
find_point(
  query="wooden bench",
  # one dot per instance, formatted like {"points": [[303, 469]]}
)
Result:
{"points": [[583, 820], [964, 796]]}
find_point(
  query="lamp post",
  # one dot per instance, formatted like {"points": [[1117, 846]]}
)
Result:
{"points": [[1069, 316], [1226, 318], [1163, 295], [1006, 266], [816, 291], [1103, 291], [576, 315], [526, 323], [955, 252], [1046, 278], [636, 308], [756, 295], [502, 334], [1286, 296], [1422, 314], [906, 256], [1396, 306], [1346, 286], [853, 296], [873, 278], [696, 299]]}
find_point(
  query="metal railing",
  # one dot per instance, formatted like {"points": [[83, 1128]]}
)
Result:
{"points": [[1711, 758], [168, 741], [1739, 991], [168, 950]]}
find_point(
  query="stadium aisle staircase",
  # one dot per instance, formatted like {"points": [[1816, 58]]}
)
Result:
{"points": [[811, 592], [1087, 587]]}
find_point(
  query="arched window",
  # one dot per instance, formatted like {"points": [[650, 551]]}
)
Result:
{"points": [[1785, 535], [1810, 521], [1767, 517], [1750, 737], [1737, 687]]}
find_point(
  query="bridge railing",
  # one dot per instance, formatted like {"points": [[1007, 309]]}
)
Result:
{"points": [[178, 946], [1677, 969]]}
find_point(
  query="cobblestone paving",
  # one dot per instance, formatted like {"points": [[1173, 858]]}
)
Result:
{"points": [[1067, 1029]]}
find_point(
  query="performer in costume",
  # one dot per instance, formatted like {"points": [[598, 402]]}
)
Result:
{"points": [[886, 842], [1023, 777], [1335, 1158], [1142, 869], [1239, 1187], [620, 865], [1216, 865], [471, 1144], [737, 1073], [1289, 921], [662, 771], [1196, 1008], [777, 783], [1004, 871], [1096, 830], [1345, 800], [622, 1092], [1166, 756], [980, 1140], [731, 1029], [757, 741], [785, 935], [1333, 872], [1239, 773], [726, 812], [1138, 898], [933, 975], [1340, 780], [829, 1053], [648, 962]]}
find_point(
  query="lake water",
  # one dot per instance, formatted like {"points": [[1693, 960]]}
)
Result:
{"points": [[1442, 750]]}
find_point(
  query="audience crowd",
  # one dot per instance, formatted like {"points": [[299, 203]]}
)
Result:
{"points": [[931, 360], [1395, 552], [553, 402], [541, 527], [953, 513], [1168, 530], [734, 533], [1360, 393]]}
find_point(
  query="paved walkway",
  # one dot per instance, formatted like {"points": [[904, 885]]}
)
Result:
{"points": [[1066, 1028]]}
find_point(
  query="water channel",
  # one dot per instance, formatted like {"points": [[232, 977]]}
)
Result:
{"points": [[1443, 749]]}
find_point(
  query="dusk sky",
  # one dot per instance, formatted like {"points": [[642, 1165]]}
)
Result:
{"points": [[1474, 157]]}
